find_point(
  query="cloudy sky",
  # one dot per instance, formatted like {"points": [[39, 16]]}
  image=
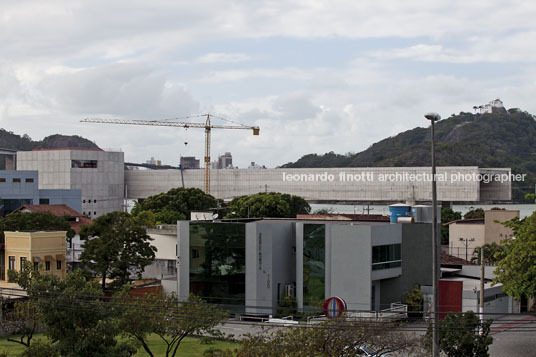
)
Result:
{"points": [[316, 76]]}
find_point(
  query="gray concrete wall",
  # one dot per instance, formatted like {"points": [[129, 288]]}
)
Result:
{"points": [[231, 183], [349, 264], [102, 187], [269, 264], [72, 198], [299, 265], [283, 258], [416, 263], [183, 265]]}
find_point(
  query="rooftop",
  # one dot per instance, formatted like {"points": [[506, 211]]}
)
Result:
{"points": [[60, 211]]}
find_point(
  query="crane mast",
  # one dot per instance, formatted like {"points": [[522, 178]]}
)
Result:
{"points": [[208, 126]]}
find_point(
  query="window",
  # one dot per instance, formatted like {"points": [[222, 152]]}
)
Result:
{"points": [[22, 261], [29, 179], [16, 180], [171, 267], [58, 264], [44, 201], [11, 265], [84, 164], [219, 275], [195, 253], [94, 201], [314, 270], [47, 265], [36, 266], [2, 179], [83, 201], [386, 256], [94, 213]]}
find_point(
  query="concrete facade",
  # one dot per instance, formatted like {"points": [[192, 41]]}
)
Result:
{"points": [[22, 187], [98, 174], [348, 184]]}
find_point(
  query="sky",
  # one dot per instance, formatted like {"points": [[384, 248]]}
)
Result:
{"points": [[315, 76]]}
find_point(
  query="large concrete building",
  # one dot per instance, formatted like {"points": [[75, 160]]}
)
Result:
{"points": [[381, 184], [98, 174]]}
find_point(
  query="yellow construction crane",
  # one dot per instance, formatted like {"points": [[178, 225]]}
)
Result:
{"points": [[207, 125]]}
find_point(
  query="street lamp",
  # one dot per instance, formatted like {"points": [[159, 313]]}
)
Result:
{"points": [[436, 260], [465, 242]]}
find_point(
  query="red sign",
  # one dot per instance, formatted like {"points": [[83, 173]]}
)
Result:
{"points": [[334, 307]]}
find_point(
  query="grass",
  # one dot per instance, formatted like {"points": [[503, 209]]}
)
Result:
{"points": [[190, 346]]}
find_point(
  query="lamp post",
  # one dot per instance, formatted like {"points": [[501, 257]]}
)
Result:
{"points": [[436, 255], [465, 242]]}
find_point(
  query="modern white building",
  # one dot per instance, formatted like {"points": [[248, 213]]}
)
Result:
{"points": [[97, 173], [252, 265]]}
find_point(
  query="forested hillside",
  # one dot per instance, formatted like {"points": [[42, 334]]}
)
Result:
{"points": [[506, 139]]}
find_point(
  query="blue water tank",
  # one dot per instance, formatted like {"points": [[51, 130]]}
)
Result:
{"points": [[399, 210]]}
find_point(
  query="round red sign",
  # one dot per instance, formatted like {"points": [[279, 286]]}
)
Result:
{"points": [[334, 307]]}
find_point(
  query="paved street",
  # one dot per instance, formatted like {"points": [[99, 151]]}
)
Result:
{"points": [[514, 336]]}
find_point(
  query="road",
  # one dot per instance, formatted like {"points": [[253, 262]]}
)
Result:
{"points": [[514, 336]]}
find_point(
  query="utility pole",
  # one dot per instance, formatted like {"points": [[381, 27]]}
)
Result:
{"points": [[436, 245], [482, 267]]}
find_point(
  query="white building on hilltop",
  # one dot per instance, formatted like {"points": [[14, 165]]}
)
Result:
{"points": [[488, 108]]}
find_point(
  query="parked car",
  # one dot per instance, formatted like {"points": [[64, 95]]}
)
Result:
{"points": [[363, 350]]}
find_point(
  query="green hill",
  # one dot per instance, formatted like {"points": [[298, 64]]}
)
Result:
{"points": [[9, 140], [505, 139]]}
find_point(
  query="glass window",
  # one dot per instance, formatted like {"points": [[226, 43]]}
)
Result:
{"points": [[58, 264], [386, 256], [16, 180], [36, 266], [314, 248], [84, 164], [29, 179], [11, 265], [218, 274], [47, 265], [44, 201], [2, 179], [171, 266], [22, 261]]}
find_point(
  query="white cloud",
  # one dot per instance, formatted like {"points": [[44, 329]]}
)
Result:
{"points": [[223, 58], [327, 75]]}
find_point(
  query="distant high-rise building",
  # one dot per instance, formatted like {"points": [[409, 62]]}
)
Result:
{"points": [[154, 162], [189, 162], [225, 161]]}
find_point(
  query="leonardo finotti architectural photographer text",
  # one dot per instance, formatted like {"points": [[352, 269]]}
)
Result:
{"points": [[369, 176]]}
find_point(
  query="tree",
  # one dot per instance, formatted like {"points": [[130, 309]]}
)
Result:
{"points": [[337, 337], [464, 335], [75, 317], [474, 214], [21, 321], [447, 215], [491, 253], [414, 298], [42, 221], [176, 204], [516, 262], [272, 204], [116, 246], [169, 319]]}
